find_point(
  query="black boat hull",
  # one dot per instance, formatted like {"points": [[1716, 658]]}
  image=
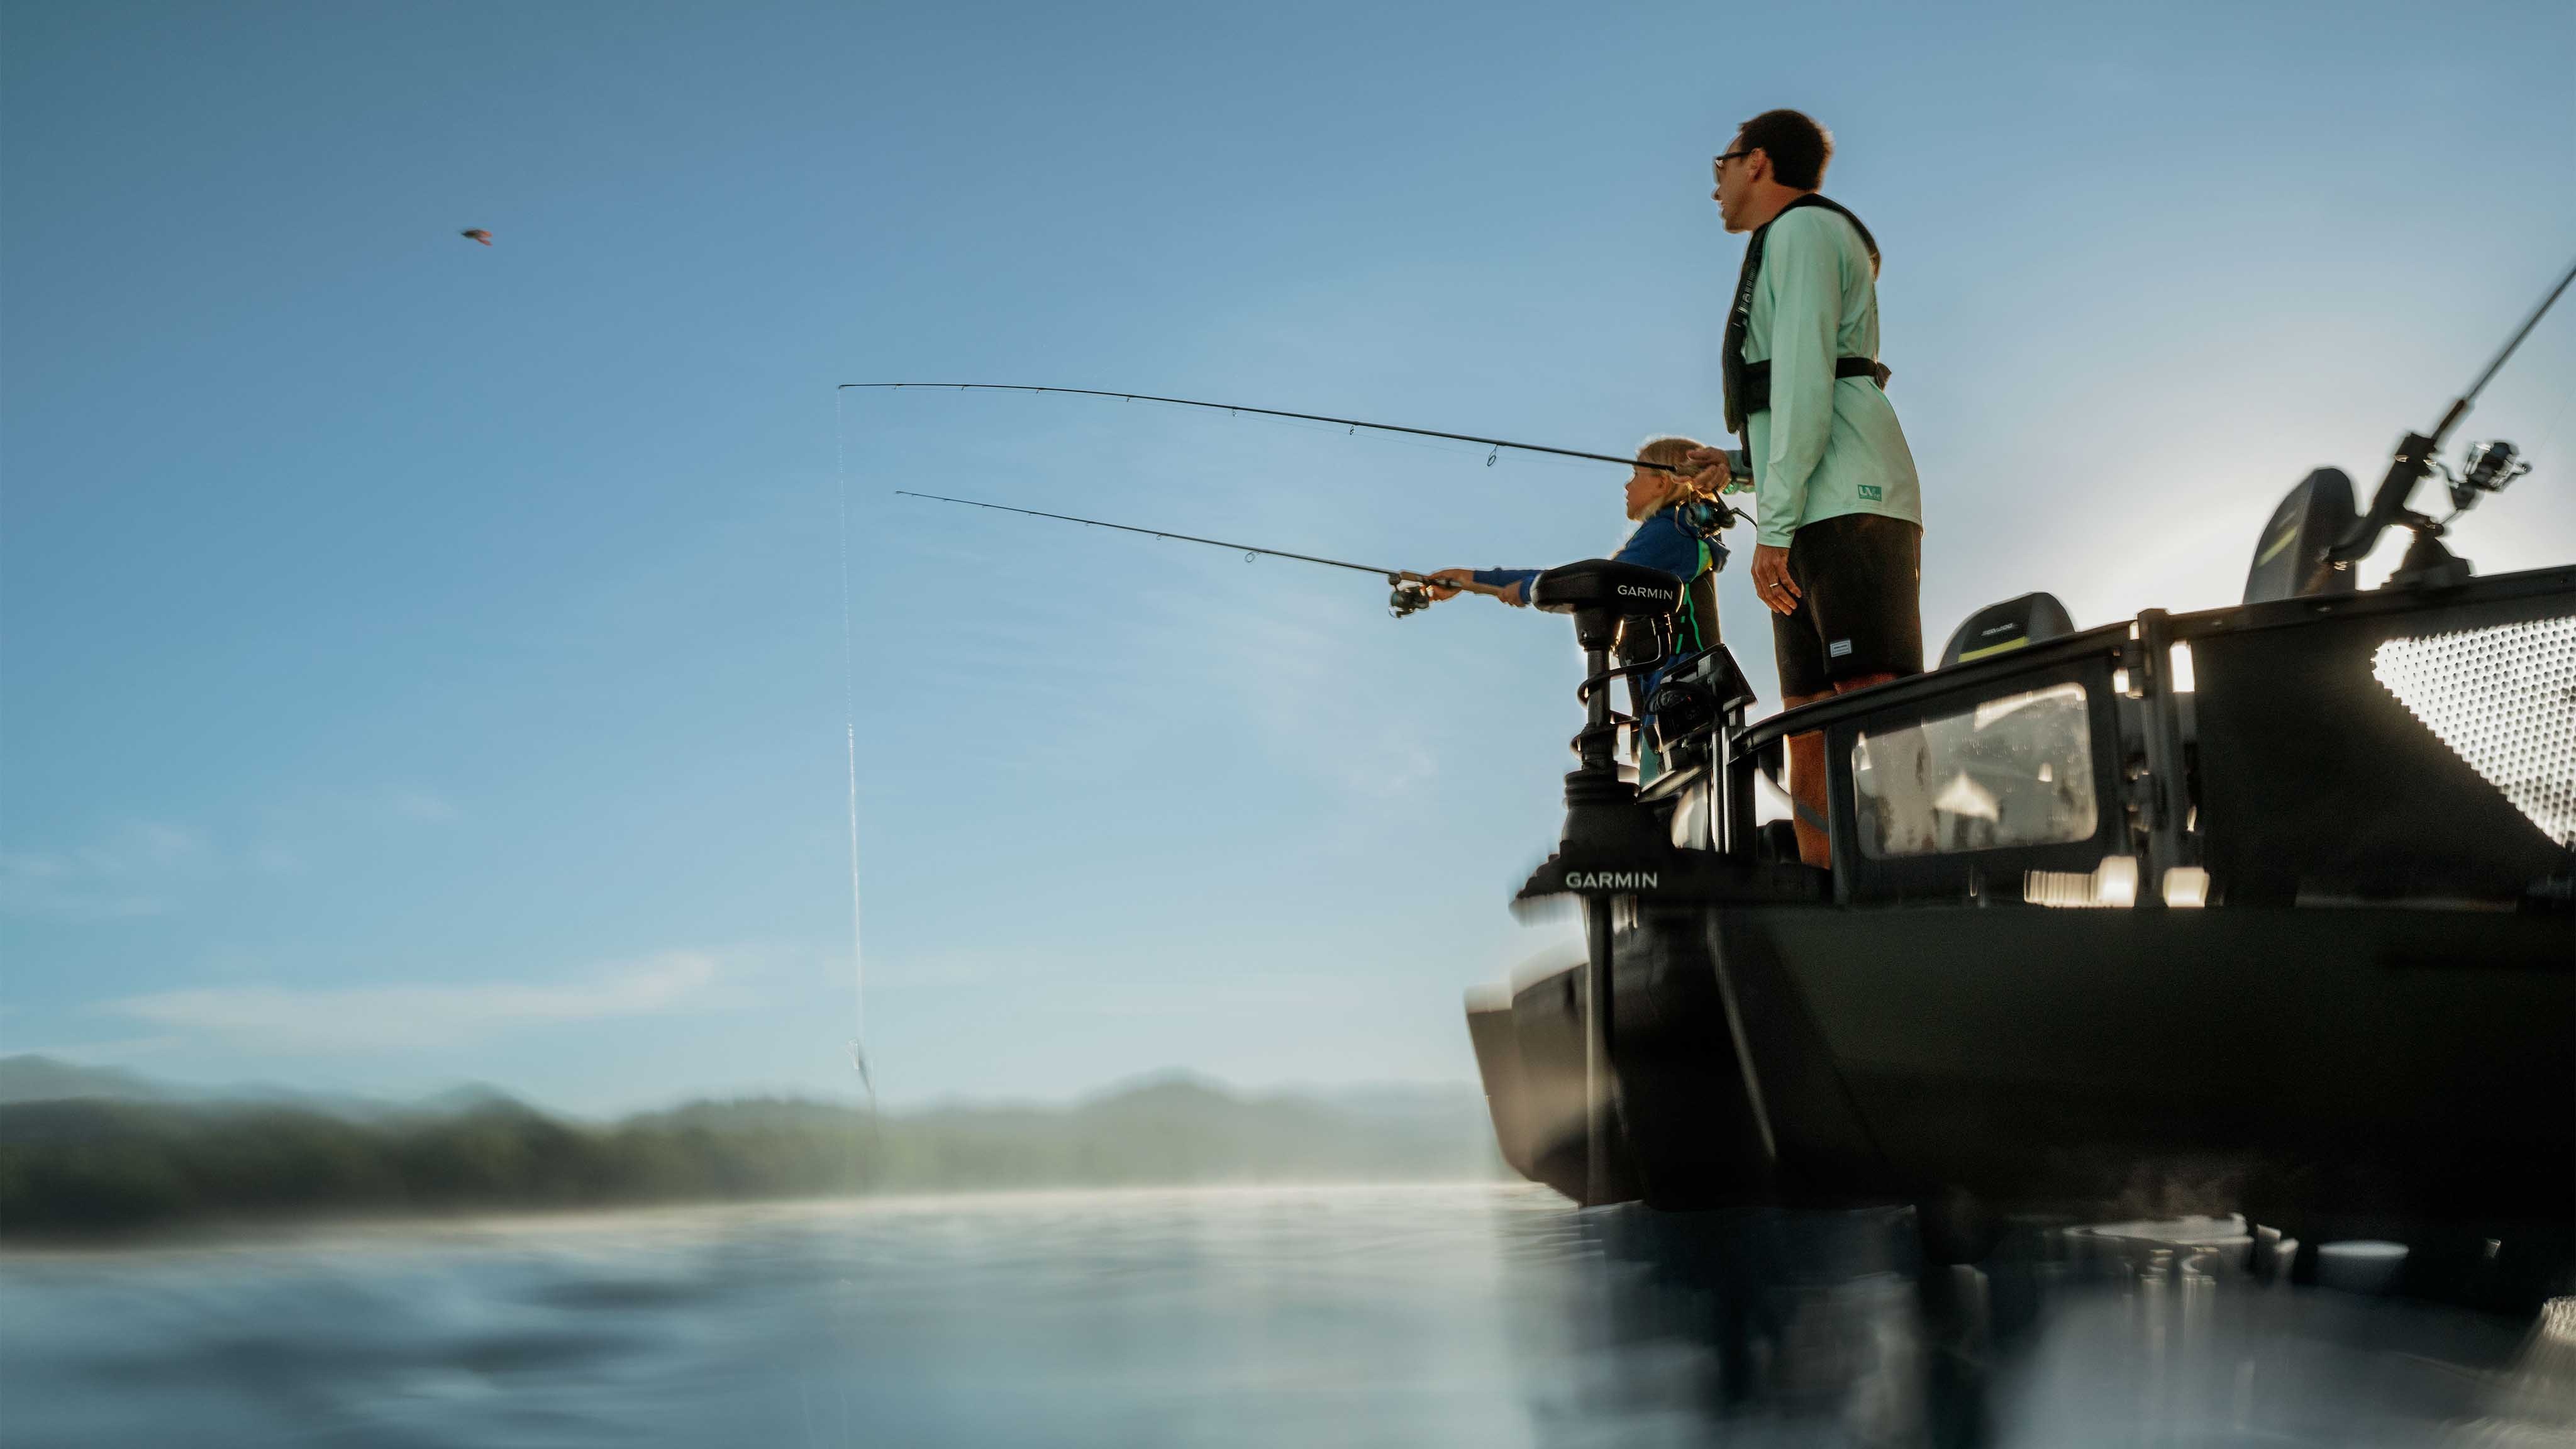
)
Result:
{"points": [[2397, 1063], [2268, 909]]}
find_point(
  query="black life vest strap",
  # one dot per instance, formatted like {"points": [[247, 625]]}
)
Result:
{"points": [[1757, 379], [1739, 321]]}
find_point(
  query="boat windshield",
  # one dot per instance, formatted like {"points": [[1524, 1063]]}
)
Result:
{"points": [[2014, 770]]}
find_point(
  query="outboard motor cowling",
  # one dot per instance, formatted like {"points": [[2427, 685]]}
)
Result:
{"points": [[2292, 561], [2002, 628]]}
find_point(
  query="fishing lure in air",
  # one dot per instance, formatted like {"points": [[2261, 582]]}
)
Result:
{"points": [[1412, 591]]}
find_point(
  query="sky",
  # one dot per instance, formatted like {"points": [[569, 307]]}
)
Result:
{"points": [[423, 663]]}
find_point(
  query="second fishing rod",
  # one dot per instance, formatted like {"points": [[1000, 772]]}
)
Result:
{"points": [[1413, 591]]}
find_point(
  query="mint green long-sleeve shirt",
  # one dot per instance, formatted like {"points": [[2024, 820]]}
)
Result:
{"points": [[1828, 446]]}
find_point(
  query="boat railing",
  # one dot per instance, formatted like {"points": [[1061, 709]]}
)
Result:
{"points": [[2277, 753]]}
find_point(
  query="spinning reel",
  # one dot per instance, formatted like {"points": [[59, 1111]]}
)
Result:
{"points": [[2487, 468], [1408, 598]]}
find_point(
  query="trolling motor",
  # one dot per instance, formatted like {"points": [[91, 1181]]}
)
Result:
{"points": [[1616, 844], [1612, 603], [1629, 608]]}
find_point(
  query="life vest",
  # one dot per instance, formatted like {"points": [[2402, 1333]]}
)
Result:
{"points": [[1748, 384], [1695, 623]]}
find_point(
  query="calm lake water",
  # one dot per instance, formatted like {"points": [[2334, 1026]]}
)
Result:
{"points": [[1471, 1315]]}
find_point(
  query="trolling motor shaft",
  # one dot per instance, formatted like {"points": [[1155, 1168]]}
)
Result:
{"points": [[1611, 602]]}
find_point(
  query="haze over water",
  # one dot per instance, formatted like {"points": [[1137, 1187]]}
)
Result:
{"points": [[1468, 1315]]}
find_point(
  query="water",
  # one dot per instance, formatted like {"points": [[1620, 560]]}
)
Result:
{"points": [[1470, 1315]]}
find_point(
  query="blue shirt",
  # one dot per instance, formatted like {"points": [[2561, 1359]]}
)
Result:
{"points": [[1664, 541]]}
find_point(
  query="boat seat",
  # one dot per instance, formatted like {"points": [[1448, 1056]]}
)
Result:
{"points": [[2002, 628]]}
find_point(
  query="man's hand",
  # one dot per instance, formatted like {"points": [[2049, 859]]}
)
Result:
{"points": [[1771, 581], [1711, 477]]}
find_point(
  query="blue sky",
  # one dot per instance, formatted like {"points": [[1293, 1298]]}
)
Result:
{"points": [[421, 662]]}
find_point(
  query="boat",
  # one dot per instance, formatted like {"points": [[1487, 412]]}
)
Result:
{"points": [[2267, 909]]}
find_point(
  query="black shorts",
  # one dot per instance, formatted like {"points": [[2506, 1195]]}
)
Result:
{"points": [[1860, 586]]}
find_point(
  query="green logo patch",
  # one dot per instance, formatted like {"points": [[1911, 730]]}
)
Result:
{"points": [[1870, 491]]}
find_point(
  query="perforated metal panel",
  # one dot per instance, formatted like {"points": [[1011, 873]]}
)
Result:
{"points": [[2504, 699]]}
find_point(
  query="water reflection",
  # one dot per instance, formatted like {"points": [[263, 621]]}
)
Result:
{"points": [[1804, 1327], [1824, 1328], [1403, 1316]]}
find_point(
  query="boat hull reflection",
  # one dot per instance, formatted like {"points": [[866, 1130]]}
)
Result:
{"points": [[1824, 1327], [2346, 1072]]}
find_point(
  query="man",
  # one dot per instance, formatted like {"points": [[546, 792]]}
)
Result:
{"points": [[1837, 508]]}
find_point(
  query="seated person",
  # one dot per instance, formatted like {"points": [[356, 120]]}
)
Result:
{"points": [[1678, 518]]}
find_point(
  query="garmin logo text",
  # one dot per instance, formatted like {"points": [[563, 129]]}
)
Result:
{"points": [[1634, 591], [1610, 880]]}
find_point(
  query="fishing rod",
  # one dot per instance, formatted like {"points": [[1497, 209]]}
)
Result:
{"points": [[2491, 466], [1496, 444], [1411, 589], [2460, 408]]}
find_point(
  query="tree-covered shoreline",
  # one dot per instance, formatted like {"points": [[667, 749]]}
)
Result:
{"points": [[89, 1166]]}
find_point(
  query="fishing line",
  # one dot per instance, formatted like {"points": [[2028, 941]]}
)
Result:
{"points": [[850, 745], [1493, 446]]}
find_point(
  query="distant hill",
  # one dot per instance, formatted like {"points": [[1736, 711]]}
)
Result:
{"points": [[1182, 1130], [31, 1078], [134, 1155]]}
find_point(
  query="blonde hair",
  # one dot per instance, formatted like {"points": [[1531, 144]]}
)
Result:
{"points": [[1673, 451]]}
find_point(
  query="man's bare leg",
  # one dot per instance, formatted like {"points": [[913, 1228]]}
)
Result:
{"points": [[1807, 779], [1807, 774]]}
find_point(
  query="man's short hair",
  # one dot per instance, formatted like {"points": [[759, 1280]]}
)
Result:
{"points": [[1797, 146]]}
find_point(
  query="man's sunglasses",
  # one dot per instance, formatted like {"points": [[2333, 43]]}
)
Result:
{"points": [[1717, 165]]}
